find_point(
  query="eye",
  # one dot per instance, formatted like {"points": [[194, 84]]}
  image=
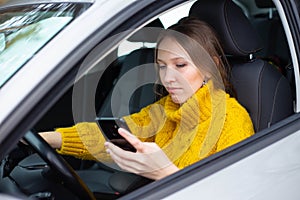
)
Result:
{"points": [[162, 66], [180, 65]]}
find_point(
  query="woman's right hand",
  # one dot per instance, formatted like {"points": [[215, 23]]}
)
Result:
{"points": [[149, 160]]}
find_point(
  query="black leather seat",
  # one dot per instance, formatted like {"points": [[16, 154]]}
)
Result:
{"points": [[260, 87]]}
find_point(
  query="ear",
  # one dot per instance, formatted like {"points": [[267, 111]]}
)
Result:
{"points": [[216, 60]]}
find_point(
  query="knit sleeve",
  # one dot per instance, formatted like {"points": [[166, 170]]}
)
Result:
{"points": [[84, 141], [238, 126]]}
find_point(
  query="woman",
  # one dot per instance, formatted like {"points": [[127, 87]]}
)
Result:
{"points": [[196, 119]]}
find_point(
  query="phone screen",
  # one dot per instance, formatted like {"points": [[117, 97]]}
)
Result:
{"points": [[109, 127]]}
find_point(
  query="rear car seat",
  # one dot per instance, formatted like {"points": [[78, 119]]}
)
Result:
{"points": [[275, 45], [270, 29], [138, 66]]}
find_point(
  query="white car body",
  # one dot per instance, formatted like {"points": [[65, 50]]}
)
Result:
{"points": [[268, 169]]}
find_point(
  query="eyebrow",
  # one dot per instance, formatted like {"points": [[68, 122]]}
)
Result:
{"points": [[173, 59]]}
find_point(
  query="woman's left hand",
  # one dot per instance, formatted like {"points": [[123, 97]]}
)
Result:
{"points": [[149, 160]]}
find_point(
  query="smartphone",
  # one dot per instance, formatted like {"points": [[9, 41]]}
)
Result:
{"points": [[110, 126]]}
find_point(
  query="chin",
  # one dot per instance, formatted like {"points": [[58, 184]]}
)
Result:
{"points": [[175, 99], [178, 100]]}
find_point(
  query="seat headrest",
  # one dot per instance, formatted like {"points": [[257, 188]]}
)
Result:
{"points": [[264, 3], [235, 31], [146, 34]]}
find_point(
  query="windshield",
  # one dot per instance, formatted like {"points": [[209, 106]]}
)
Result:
{"points": [[24, 30]]}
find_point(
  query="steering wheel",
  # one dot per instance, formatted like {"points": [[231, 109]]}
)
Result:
{"points": [[58, 164]]}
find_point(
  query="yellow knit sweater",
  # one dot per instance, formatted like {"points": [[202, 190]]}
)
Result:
{"points": [[208, 122]]}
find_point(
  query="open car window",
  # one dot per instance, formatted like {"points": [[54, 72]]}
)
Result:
{"points": [[25, 30]]}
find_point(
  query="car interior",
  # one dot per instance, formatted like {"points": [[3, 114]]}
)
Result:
{"points": [[271, 95], [262, 75]]}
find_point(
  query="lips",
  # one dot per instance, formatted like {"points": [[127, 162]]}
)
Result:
{"points": [[172, 89]]}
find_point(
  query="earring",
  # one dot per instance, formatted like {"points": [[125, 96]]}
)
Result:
{"points": [[203, 83]]}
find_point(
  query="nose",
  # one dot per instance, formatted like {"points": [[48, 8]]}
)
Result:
{"points": [[169, 75]]}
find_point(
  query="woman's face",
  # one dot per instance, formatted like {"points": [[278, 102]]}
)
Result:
{"points": [[177, 72]]}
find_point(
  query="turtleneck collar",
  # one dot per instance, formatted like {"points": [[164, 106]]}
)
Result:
{"points": [[201, 100]]}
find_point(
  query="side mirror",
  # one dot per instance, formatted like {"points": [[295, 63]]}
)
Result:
{"points": [[2, 42]]}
